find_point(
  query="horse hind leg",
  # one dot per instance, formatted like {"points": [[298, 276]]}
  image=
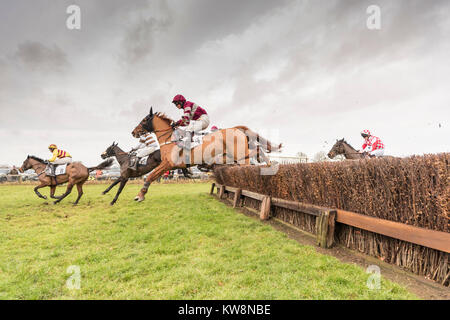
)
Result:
{"points": [[68, 191], [80, 193]]}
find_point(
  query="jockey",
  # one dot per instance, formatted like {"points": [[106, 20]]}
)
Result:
{"points": [[214, 129], [194, 118], [59, 157], [148, 143], [372, 145]]}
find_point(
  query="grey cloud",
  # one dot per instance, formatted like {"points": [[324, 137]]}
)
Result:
{"points": [[138, 41], [37, 56], [130, 55], [209, 20]]}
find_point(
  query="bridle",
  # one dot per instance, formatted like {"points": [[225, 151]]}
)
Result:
{"points": [[150, 129]]}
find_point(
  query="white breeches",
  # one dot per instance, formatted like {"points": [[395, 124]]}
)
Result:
{"points": [[198, 125], [377, 153], [65, 160], [145, 152]]}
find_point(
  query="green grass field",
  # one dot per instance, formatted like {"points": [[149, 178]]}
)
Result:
{"points": [[180, 243]]}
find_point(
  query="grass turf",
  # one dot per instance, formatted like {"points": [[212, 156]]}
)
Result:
{"points": [[180, 243]]}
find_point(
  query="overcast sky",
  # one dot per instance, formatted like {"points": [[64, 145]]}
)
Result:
{"points": [[300, 72]]}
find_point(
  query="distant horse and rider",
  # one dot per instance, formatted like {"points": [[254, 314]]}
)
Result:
{"points": [[76, 174], [372, 147]]}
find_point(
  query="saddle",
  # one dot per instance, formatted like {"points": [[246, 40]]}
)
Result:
{"points": [[59, 170], [135, 162], [187, 142]]}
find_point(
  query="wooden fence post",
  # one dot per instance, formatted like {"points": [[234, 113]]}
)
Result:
{"points": [[325, 224], [265, 208], [237, 198], [212, 188]]}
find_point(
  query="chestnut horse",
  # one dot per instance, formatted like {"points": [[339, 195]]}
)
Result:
{"points": [[76, 174], [233, 145]]}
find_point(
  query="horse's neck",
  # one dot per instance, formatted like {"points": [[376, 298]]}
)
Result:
{"points": [[121, 156], [163, 132], [37, 166], [350, 153]]}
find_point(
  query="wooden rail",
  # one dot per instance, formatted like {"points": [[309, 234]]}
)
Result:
{"points": [[326, 218]]}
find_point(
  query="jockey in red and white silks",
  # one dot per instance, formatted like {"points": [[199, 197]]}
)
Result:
{"points": [[372, 144], [194, 118]]}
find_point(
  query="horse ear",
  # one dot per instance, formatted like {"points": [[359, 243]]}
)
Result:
{"points": [[151, 111]]}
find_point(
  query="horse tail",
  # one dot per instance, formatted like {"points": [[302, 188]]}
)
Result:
{"points": [[262, 142], [105, 164]]}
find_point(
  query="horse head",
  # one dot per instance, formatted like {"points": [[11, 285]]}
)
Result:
{"points": [[337, 149], [29, 162], [153, 122], [110, 152], [146, 125]]}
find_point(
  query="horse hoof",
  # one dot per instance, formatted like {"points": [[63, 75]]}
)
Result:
{"points": [[44, 197]]}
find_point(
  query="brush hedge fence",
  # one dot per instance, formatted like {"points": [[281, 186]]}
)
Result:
{"points": [[413, 191]]}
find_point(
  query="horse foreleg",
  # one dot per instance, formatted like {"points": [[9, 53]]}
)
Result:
{"points": [[38, 193], [157, 172], [122, 185], [112, 185], [68, 191]]}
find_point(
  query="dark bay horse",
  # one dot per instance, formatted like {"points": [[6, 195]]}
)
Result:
{"points": [[350, 153], [154, 159], [76, 174], [343, 147], [233, 145], [125, 172]]}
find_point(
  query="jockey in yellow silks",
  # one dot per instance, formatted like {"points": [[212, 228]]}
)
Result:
{"points": [[59, 157]]}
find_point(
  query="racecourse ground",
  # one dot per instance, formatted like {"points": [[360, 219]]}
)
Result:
{"points": [[180, 243]]}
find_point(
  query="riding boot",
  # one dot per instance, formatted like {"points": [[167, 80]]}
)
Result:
{"points": [[187, 147], [133, 163], [52, 170]]}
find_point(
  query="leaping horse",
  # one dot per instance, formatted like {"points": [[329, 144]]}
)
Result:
{"points": [[76, 174], [233, 145]]}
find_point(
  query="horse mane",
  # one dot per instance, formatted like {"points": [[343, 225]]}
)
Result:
{"points": [[164, 117], [344, 141], [37, 159]]}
